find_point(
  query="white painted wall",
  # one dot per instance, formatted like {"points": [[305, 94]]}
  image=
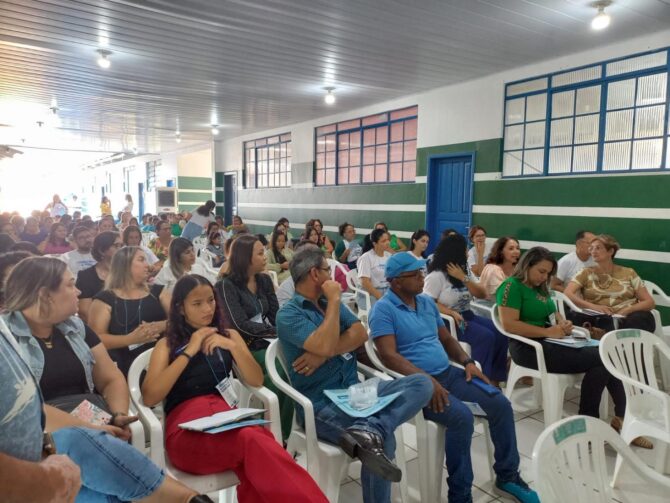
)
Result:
{"points": [[454, 114]]}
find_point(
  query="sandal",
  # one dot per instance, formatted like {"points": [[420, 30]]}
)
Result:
{"points": [[645, 443]]}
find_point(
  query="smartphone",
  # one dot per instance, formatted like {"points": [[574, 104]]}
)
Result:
{"points": [[486, 388]]}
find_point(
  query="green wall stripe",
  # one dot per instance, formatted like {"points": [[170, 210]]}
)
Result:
{"points": [[218, 196], [197, 197], [194, 182], [487, 155], [218, 179], [401, 193], [647, 191]]}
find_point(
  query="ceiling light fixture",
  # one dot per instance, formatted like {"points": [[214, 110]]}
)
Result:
{"points": [[329, 98], [215, 129], [103, 59], [177, 137], [601, 20], [135, 150]]}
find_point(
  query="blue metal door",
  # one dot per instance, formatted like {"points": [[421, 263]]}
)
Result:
{"points": [[449, 202]]}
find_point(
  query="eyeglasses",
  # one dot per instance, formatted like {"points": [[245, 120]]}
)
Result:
{"points": [[415, 274], [325, 269], [117, 245]]}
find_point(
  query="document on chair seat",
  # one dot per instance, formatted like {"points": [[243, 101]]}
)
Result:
{"points": [[220, 419], [572, 342]]}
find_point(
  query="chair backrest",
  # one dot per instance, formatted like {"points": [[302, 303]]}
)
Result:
{"points": [[660, 297], [569, 461], [539, 352], [334, 266], [628, 354], [148, 236], [274, 277]]}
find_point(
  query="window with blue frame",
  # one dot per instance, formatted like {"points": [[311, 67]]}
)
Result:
{"points": [[267, 162], [602, 118], [379, 148]]}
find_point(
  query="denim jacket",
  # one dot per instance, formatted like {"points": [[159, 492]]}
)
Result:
{"points": [[74, 332]]}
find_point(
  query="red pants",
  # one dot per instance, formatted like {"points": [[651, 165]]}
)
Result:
{"points": [[266, 471]]}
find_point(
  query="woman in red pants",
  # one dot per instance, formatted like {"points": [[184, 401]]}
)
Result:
{"points": [[186, 366]]}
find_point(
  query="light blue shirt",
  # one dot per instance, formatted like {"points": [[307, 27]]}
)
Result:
{"points": [[415, 330]]}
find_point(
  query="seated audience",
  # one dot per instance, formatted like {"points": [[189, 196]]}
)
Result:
{"points": [[412, 339], [215, 248], [450, 285], [323, 240], [56, 242], [526, 308], [319, 337], [186, 366], [572, 263], [32, 232], [107, 224], [181, 261], [200, 218], [418, 243], [395, 243], [504, 255], [19, 224], [371, 268], [91, 281], [249, 301], [348, 251], [238, 226], [279, 256], [10, 230], [124, 220], [129, 315], [26, 246], [611, 289], [283, 221], [479, 252], [160, 245], [132, 236], [80, 258]]}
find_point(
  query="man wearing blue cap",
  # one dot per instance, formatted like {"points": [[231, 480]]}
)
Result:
{"points": [[318, 334], [412, 339]]}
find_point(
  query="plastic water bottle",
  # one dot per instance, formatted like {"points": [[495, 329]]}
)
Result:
{"points": [[364, 394]]}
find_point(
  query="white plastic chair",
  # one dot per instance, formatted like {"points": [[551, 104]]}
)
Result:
{"points": [[430, 438], [274, 277], [347, 298], [148, 236], [326, 463], [452, 330], [552, 386], [569, 462], [628, 355], [661, 299], [352, 283], [482, 308], [224, 482]]}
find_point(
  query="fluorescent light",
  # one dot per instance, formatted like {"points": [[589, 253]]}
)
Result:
{"points": [[601, 21], [177, 137], [215, 129], [103, 59], [329, 98]]}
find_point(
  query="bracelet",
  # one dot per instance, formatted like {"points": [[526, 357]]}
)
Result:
{"points": [[467, 362], [184, 353], [114, 416]]}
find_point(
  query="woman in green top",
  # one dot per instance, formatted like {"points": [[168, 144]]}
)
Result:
{"points": [[526, 308], [279, 256], [395, 243]]}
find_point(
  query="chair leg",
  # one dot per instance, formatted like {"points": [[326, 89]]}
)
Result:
{"points": [[552, 401], [617, 471], [228, 495], [604, 410], [512, 378], [402, 463], [661, 456], [430, 445], [489, 448], [330, 474]]}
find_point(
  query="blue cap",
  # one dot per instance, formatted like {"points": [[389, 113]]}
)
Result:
{"points": [[402, 262]]}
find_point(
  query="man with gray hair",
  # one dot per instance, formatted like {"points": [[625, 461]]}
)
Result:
{"points": [[319, 335]]}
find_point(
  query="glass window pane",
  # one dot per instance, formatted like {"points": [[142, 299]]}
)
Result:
{"points": [[330, 177], [512, 163], [382, 135], [381, 154], [343, 159], [647, 154], [586, 129], [651, 89], [375, 119], [561, 132], [368, 174], [535, 135], [410, 129], [563, 104], [320, 176], [286, 137], [396, 151], [330, 142], [355, 157], [616, 156], [513, 137], [369, 155], [320, 161], [396, 131], [395, 172], [585, 159], [282, 180], [343, 141], [355, 139], [381, 174], [405, 112], [588, 100], [410, 150], [560, 160], [343, 176], [536, 107], [533, 162], [354, 175], [409, 171], [649, 122], [369, 137], [354, 123], [621, 94], [330, 159], [514, 111], [619, 125], [325, 129]]}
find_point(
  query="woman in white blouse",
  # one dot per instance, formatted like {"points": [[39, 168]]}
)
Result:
{"points": [[371, 268]]}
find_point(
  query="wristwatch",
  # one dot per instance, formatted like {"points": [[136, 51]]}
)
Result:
{"points": [[467, 362]]}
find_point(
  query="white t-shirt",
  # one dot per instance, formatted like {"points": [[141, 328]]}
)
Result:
{"points": [[285, 291], [372, 266], [569, 265], [438, 286], [151, 256], [77, 261], [472, 255]]}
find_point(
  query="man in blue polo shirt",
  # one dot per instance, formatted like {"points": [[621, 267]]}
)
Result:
{"points": [[319, 335], [412, 339]]}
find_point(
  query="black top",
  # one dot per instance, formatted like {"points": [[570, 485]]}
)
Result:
{"points": [[89, 283], [126, 316], [63, 372], [242, 307], [198, 378]]}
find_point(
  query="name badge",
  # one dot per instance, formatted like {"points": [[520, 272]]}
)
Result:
{"points": [[227, 392], [258, 318], [347, 356]]}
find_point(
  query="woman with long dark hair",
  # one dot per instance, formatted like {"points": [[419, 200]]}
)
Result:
{"points": [[202, 216], [418, 243], [323, 240], [56, 242], [371, 267], [504, 256], [181, 261], [451, 285], [279, 256], [186, 366]]}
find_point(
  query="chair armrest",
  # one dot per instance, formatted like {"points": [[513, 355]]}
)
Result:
{"points": [[271, 404], [151, 424], [369, 372], [451, 322]]}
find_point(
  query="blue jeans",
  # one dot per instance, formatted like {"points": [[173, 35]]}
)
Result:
{"points": [[459, 422], [416, 391], [111, 470], [489, 347]]}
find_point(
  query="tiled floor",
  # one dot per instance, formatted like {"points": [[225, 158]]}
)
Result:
{"points": [[529, 425]]}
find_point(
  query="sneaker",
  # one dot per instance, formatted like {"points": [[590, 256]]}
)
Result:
{"points": [[517, 489]]}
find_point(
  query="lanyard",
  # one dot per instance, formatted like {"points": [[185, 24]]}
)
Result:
{"points": [[218, 353]]}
